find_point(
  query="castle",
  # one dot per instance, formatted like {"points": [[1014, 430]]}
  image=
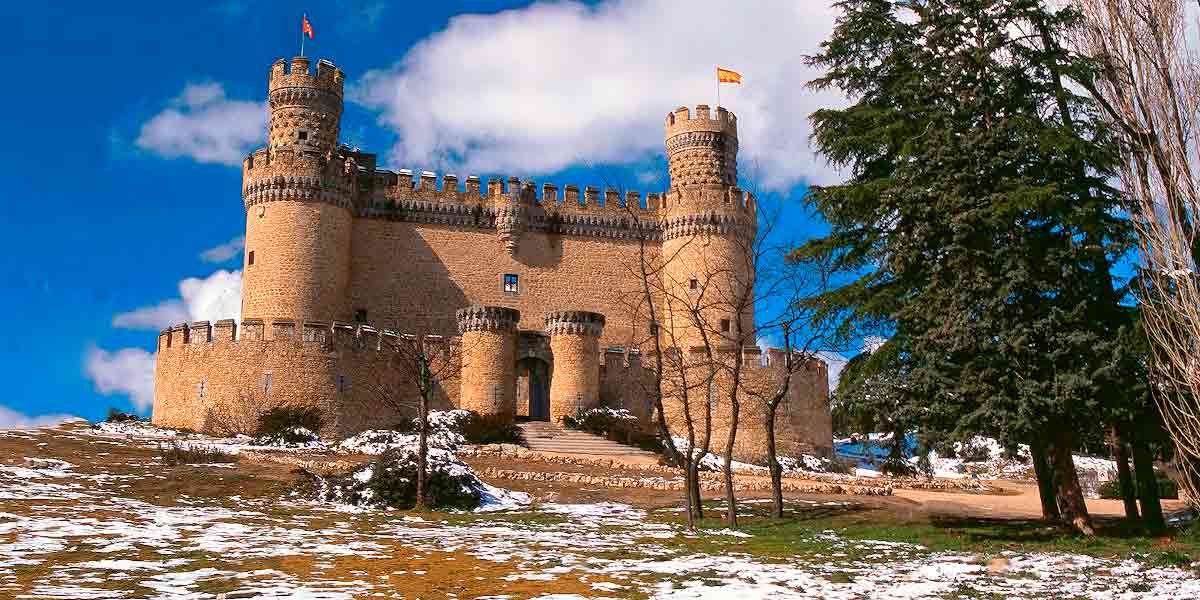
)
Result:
{"points": [[538, 301]]}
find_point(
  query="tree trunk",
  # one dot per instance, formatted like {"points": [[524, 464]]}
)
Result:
{"points": [[730, 496], [422, 447], [774, 466], [1121, 456], [1147, 483], [688, 511], [1066, 484], [697, 501], [1045, 481]]}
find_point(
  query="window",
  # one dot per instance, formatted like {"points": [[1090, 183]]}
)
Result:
{"points": [[694, 284], [250, 257], [343, 384], [724, 325], [510, 284], [303, 135], [653, 327], [360, 315], [268, 378], [200, 389]]}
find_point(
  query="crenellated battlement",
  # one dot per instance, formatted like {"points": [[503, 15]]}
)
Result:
{"points": [[324, 335], [393, 187], [296, 74], [681, 120]]}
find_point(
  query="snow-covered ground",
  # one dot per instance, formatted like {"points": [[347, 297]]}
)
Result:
{"points": [[71, 530], [993, 463]]}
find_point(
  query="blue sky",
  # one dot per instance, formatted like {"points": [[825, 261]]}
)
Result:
{"points": [[127, 121]]}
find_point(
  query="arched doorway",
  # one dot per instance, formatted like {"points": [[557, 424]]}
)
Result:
{"points": [[533, 389]]}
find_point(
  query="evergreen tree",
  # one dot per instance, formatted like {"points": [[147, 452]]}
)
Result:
{"points": [[978, 211]]}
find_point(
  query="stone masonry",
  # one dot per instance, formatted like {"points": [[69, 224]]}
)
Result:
{"points": [[534, 291]]}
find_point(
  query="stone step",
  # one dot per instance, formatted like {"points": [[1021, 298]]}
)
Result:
{"points": [[542, 436]]}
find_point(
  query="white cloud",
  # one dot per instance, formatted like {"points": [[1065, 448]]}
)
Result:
{"points": [[835, 362], [224, 252], [218, 296], [202, 124], [11, 419], [533, 90], [127, 371]]}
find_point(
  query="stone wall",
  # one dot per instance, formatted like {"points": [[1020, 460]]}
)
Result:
{"points": [[803, 423], [415, 275], [224, 384]]}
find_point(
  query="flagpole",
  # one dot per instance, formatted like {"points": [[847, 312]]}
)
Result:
{"points": [[718, 73], [305, 18]]}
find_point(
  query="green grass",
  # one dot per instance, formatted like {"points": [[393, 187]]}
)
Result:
{"points": [[799, 533]]}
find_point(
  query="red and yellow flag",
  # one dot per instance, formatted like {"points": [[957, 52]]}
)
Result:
{"points": [[306, 27], [727, 76]]}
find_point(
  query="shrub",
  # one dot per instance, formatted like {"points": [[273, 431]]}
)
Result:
{"points": [[116, 415], [283, 420], [1167, 488], [898, 467], [390, 482], [618, 425], [176, 454], [490, 429]]}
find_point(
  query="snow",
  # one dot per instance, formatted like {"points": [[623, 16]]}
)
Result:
{"points": [[61, 511]]}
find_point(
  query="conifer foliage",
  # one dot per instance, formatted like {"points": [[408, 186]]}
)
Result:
{"points": [[978, 217]]}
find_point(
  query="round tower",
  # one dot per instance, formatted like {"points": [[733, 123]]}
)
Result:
{"points": [[575, 344], [298, 193], [709, 226], [489, 359]]}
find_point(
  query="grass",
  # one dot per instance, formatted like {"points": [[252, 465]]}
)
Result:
{"points": [[799, 534]]}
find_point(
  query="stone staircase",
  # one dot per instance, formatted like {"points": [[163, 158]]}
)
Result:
{"points": [[546, 437]]}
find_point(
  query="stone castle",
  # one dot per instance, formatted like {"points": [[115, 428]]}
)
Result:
{"points": [[537, 301]]}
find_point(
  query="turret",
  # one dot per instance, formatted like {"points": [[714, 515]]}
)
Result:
{"points": [[708, 225], [298, 192], [306, 109]]}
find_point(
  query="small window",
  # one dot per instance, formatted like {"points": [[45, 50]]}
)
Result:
{"points": [[268, 379], [653, 328], [694, 284], [343, 384], [510, 284], [200, 389], [250, 257], [360, 315], [724, 325], [303, 135]]}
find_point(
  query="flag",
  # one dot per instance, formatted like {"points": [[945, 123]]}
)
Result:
{"points": [[306, 28], [727, 76]]}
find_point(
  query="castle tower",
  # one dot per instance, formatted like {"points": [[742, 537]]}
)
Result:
{"points": [[575, 344], [489, 359], [709, 226], [297, 193]]}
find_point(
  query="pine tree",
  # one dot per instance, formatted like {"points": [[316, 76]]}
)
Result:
{"points": [[979, 216]]}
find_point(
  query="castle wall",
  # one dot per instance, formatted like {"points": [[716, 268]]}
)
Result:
{"points": [[625, 384], [222, 385], [415, 275], [803, 423]]}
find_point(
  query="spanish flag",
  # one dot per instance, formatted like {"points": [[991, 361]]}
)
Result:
{"points": [[727, 76], [306, 28]]}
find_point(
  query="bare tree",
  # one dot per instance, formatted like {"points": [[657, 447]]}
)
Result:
{"points": [[1149, 88], [418, 368]]}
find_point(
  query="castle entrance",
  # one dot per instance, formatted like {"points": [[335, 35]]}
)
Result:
{"points": [[534, 369], [533, 389]]}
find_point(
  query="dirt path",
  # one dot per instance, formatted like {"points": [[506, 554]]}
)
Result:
{"points": [[1019, 501]]}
